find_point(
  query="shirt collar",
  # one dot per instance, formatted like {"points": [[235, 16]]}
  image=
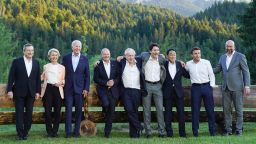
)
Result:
{"points": [[105, 62], [231, 54], [73, 55], [150, 58], [27, 60], [134, 61], [172, 63]]}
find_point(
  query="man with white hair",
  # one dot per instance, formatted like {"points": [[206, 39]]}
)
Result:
{"points": [[106, 76], [133, 88], [77, 82], [236, 76]]}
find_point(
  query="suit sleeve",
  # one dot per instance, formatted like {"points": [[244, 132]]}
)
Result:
{"points": [[245, 71], [117, 78], [87, 76], [11, 77], [97, 79]]}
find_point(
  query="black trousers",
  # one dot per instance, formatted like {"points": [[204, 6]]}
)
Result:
{"points": [[52, 99], [132, 100], [23, 114], [169, 103]]}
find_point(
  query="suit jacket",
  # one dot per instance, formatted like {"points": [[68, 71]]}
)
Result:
{"points": [[77, 80], [176, 83], [142, 76], [18, 80], [145, 57], [100, 78], [61, 78], [237, 75]]}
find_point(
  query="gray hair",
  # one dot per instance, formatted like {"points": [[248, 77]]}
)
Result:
{"points": [[27, 45], [76, 42], [230, 41], [104, 49], [53, 50], [129, 51]]}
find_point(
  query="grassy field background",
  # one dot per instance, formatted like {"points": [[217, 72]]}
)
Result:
{"points": [[119, 135]]}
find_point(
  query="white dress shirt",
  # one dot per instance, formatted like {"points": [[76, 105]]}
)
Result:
{"points": [[107, 68], [28, 64], [53, 73], [131, 76], [172, 69], [75, 60], [200, 72], [229, 58], [152, 70]]}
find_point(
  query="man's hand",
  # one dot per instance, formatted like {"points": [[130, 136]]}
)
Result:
{"points": [[85, 93], [182, 64], [110, 83], [119, 58], [96, 64], [247, 91], [10, 95], [37, 96]]}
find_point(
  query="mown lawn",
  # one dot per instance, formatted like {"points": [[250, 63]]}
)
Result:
{"points": [[120, 136]]}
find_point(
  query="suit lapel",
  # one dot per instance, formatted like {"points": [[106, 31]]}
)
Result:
{"points": [[103, 68], [24, 66], [232, 60], [224, 61]]}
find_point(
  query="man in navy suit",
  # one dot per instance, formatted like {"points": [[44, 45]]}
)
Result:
{"points": [[133, 87], [173, 93], [77, 82], [24, 87], [106, 76]]}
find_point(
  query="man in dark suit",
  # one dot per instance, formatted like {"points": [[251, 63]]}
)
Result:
{"points": [[106, 76], [24, 87], [132, 88], [173, 93], [77, 82], [236, 76]]}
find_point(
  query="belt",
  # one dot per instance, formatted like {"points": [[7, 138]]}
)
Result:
{"points": [[52, 85], [152, 82], [199, 84]]}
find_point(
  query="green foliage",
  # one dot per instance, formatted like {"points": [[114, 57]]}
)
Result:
{"points": [[226, 11], [8, 44], [111, 24], [248, 34]]}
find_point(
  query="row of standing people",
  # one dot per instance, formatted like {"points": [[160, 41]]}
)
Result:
{"points": [[150, 76], [70, 80], [146, 76]]}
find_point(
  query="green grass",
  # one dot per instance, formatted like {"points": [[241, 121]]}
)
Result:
{"points": [[119, 135]]}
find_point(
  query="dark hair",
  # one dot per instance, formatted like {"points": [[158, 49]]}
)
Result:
{"points": [[153, 45], [170, 49], [194, 48], [26, 45]]}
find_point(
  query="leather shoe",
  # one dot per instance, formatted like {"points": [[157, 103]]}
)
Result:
{"points": [[19, 138], [106, 135], [68, 136], [148, 136], [238, 133], [195, 134], [25, 137], [161, 135], [227, 133]]}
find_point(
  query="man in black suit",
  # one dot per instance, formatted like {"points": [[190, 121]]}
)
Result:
{"points": [[133, 87], [106, 76], [24, 86], [173, 93]]}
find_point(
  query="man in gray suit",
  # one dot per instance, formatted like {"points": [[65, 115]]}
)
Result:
{"points": [[155, 73], [236, 76]]}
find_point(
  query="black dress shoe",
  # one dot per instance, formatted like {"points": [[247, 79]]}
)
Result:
{"points": [[148, 136], [238, 133], [25, 137], [77, 135], [67, 136], [161, 135], [169, 134], [195, 134], [106, 135], [55, 135], [183, 136], [18, 138], [227, 133]]}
